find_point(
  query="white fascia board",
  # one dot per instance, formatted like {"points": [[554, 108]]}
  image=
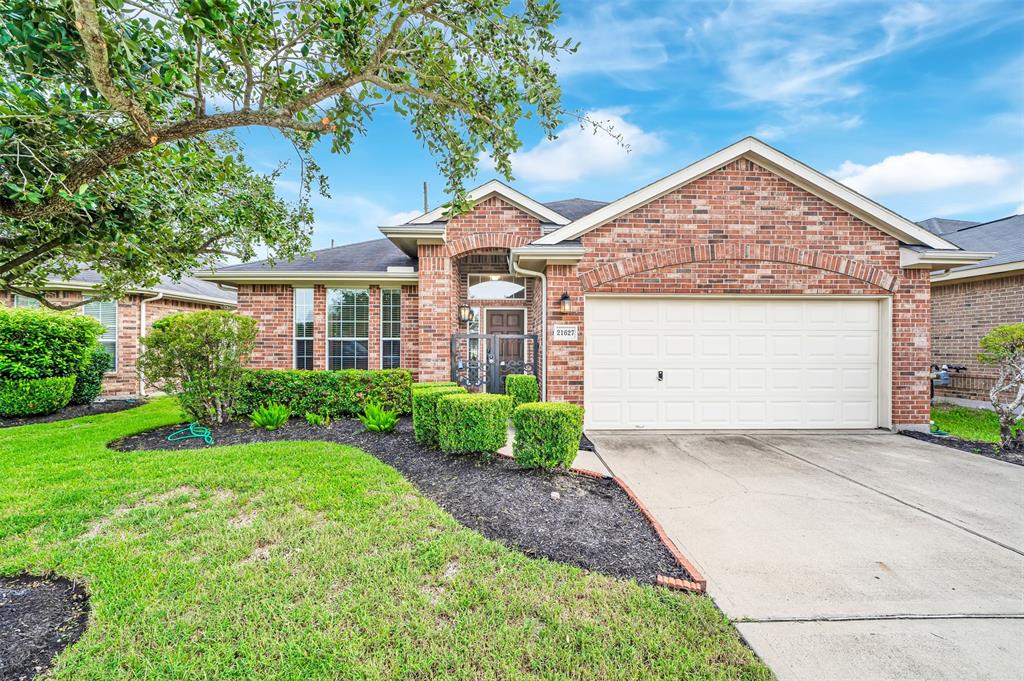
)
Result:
{"points": [[800, 174], [550, 255], [312, 277], [190, 297], [954, 276], [496, 188], [939, 259], [413, 232]]}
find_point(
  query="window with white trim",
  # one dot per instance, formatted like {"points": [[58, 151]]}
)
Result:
{"points": [[105, 312], [348, 328], [25, 301], [390, 328], [302, 319]]}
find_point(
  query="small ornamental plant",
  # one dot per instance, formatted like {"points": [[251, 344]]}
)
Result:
{"points": [[377, 419], [522, 388], [1003, 347], [547, 434], [270, 416], [316, 419], [473, 423]]}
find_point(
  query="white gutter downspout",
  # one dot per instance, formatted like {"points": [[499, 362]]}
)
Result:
{"points": [[142, 332], [543, 323]]}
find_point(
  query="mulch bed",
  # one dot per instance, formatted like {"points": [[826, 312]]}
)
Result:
{"points": [[992, 451], [39, 617], [73, 412], [570, 518]]}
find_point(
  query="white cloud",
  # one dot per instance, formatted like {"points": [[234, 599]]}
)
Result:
{"points": [[1019, 210], [921, 171], [612, 42], [581, 151], [345, 218], [403, 217]]}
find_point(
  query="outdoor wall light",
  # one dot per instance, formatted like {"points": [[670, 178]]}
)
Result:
{"points": [[465, 313], [565, 303]]}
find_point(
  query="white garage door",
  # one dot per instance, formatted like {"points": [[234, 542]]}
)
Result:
{"points": [[678, 363]]}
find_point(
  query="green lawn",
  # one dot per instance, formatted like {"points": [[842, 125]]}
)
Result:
{"points": [[980, 425], [312, 560]]}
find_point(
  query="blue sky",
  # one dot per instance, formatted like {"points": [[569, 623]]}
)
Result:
{"points": [[919, 105]]}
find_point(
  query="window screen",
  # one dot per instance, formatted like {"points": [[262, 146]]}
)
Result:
{"points": [[390, 328], [348, 328], [105, 312], [303, 319]]}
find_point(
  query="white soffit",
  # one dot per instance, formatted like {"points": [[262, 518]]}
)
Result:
{"points": [[796, 172]]}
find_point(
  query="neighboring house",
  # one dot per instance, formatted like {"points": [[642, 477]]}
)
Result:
{"points": [[968, 301], [746, 290], [121, 318]]}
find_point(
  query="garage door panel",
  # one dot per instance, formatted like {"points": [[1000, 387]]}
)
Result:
{"points": [[726, 363]]}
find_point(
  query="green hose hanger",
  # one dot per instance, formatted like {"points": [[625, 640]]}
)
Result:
{"points": [[193, 430]]}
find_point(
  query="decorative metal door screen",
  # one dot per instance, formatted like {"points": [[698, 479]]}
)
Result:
{"points": [[482, 360]]}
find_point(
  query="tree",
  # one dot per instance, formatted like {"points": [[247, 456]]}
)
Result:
{"points": [[115, 117], [199, 357], [1003, 346]]}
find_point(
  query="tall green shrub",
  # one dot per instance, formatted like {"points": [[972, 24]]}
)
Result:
{"points": [[1003, 347], [90, 378], [35, 396], [37, 343], [335, 393], [522, 388], [424, 412], [198, 357], [473, 422], [547, 434]]}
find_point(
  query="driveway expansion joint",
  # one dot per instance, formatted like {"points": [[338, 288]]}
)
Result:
{"points": [[879, 618]]}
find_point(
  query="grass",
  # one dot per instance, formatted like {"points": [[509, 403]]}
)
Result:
{"points": [[980, 425], [314, 560]]}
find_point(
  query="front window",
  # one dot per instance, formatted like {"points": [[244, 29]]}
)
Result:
{"points": [[25, 301], [105, 312], [348, 328], [303, 320], [496, 287], [390, 328]]}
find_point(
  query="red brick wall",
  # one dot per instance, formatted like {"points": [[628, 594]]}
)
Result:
{"points": [[271, 306], [961, 315], [743, 229]]}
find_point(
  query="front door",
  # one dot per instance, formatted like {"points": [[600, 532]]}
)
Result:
{"points": [[509, 352]]}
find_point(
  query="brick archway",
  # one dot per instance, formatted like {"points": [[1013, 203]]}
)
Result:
{"points": [[484, 240], [726, 251]]}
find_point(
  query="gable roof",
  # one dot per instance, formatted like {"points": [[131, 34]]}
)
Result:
{"points": [[796, 172], [365, 256], [1004, 237], [495, 188]]}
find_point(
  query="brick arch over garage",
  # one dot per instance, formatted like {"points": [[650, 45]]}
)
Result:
{"points": [[484, 241], [671, 257]]}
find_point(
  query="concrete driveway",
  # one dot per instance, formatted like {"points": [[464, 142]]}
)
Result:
{"points": [[845, 555]]}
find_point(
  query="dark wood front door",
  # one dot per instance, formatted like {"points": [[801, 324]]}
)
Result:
{"points": [[510, 352]]}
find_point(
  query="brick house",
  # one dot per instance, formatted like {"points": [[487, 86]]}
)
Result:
{"points": [[746, 290], [121, 318], [968, 301]]}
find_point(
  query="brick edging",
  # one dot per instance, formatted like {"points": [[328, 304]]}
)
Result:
{"points": [[698, 584]]}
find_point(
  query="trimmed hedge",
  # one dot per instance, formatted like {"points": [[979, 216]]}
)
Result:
{"points": [[37, 343], [90, 379], [547, 434], [424, 412], [434, 384], [335, 393], [30, 397], [522, 388], [473, 422]]}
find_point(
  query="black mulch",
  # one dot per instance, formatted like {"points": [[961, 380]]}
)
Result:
{"points": [[992, 451], [566, 517], [585, 444], [39, 617], [72, 412]]}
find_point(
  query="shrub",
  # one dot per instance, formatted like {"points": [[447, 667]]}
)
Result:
{"points": [[38, 343], [270, 416], [522, 388], [89, 381], [434, 384], [547, 434], [32, 396], [424, 412], [314, 419], [377, 419], [473, 422], [198, 357], [1003, 346], [335, 393]]}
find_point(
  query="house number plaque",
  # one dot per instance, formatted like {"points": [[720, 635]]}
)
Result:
{"points": [[564, 332]]}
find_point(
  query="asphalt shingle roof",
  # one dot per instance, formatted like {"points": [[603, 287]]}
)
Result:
{"points": [[943, 226], [1004, 237], [187, 286], [574, 209], [366, 256]]}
